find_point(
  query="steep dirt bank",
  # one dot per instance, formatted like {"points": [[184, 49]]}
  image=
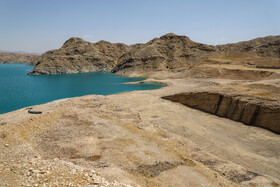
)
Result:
{"points": [[248, 110]]}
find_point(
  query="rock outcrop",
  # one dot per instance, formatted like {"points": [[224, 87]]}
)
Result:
{"points": [[169, 52], [77, 55], [250, 111]]}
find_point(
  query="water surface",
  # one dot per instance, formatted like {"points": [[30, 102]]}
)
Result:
{"points": [[18, 90]]}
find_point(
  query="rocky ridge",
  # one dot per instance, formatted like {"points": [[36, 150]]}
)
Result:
{"points": [[167, 52], [268, 46], [170, 52], [77, 55]]}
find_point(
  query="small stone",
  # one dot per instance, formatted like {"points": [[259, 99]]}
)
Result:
{"points": [[6, 145], [36, 171], [42, 172]]}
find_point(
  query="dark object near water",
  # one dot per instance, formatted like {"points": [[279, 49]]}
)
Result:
{"points": [[141, 82], [34, 112]]}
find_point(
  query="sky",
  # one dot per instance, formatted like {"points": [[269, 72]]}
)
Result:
{"points": [[36, 26]]}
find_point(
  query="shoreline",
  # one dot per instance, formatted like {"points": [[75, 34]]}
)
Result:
{"points": [[90, 92]]}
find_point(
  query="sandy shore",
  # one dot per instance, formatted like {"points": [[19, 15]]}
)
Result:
{"points": [[136, 138]]}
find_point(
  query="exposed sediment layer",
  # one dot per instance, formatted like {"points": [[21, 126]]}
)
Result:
{"points": [[237, 108]]}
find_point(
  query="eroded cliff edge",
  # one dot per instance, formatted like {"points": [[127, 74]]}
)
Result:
{"points": [[246, 109]]}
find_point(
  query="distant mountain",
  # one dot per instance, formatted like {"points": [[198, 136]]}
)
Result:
{"points": [[169, 52], [16, 57], [264, 46]]}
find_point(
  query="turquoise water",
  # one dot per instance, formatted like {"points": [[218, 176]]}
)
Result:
{"points": [[18, 90]]}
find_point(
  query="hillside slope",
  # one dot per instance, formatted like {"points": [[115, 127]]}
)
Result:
{"points": [[167, 52], [170, 52], [77, 55], [264, 46]]}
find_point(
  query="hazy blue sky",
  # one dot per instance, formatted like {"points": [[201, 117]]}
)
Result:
{"points": [[40, 25]]}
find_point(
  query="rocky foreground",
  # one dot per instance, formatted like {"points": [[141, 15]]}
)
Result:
{"points": [[216, 123], [139, 139]]}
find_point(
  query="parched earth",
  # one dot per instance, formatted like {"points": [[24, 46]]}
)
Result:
{"points": [[13, 57], [139, 139]]}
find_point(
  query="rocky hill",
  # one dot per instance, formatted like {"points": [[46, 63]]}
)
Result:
{"points": [[169, 52], [77, 55], [264, 46], [12, 57]]}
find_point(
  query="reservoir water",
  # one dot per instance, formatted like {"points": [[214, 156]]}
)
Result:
{"points": [[18, 90]]}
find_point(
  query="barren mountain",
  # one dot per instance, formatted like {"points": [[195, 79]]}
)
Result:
{"points": [[13, 57], [169, 52], [77, 55], [264, 46]]}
